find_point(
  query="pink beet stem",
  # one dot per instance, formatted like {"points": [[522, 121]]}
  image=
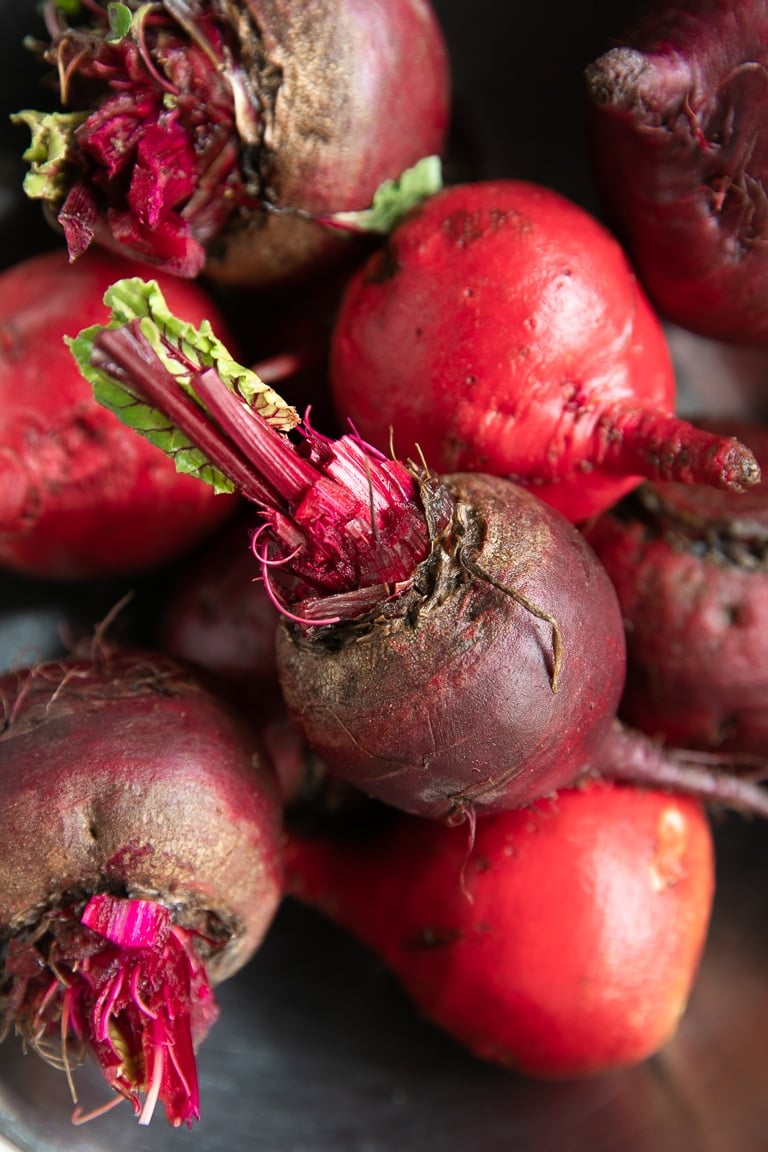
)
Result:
{"points": [[339, 516], [633, 441], [125, 984]]}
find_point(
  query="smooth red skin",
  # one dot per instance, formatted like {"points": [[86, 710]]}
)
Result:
{"points": [[364, 94], [563, 942], [496, 330], [134, 778], [681, 163], [456, 712], [696, 624], [81, 495]]}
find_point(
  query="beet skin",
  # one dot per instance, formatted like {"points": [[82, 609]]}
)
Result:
{"points": [[680, 159], [564, 942], [216, 137]]}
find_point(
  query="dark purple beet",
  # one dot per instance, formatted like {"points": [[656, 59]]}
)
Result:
{"points": [[442, 701], [681, 159], [217, 613], [140, 864]]}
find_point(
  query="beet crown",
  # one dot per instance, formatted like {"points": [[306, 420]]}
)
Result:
{"points": [[207, 136]]}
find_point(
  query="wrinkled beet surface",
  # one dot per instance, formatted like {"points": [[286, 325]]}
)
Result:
{"points": [[680, 160], [443, 702], [128, 776]]}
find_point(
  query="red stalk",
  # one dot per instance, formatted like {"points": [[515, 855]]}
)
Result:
{"points": [[125, 983], [341, 519]]}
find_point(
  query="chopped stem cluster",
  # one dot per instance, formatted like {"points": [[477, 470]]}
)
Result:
{"points": [[122, 981]]}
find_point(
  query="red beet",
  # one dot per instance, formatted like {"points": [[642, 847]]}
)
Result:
{"points": [[140, 866], [690, 568], [501, 329], [208, 136], [450, 645], [79, 496], [681, 162], [565, 942]]}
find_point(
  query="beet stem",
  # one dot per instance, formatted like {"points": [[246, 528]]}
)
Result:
{"points": [[126, 350], [340, 518]]}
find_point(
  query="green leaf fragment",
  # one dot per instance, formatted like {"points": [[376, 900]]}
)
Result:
{"points": [[143, 418], [120, 18], [183, 350], [395, 198], [48, 152], [137, 299]]}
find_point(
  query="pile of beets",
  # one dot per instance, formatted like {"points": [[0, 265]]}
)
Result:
{"points": [[438, 616]]}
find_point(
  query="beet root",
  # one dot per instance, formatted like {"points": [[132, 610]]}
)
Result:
{"points": [[211, 137], [680, 160], [140, 866], [441, 701], [217, 615], [564, 942], [80, 497]]}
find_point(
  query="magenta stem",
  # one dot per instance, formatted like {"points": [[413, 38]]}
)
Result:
{"points": [[126, 350]]}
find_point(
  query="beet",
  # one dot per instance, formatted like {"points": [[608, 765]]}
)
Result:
{"points": [[502, 329], [474, 665], [79, 498], [206, 137], [140, 866], [564, 942], [681, 163], [690, 568], [217, 614]]}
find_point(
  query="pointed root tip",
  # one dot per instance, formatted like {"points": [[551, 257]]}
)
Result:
{"points": [[627, 80], [614, 77], [738, 468]]}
